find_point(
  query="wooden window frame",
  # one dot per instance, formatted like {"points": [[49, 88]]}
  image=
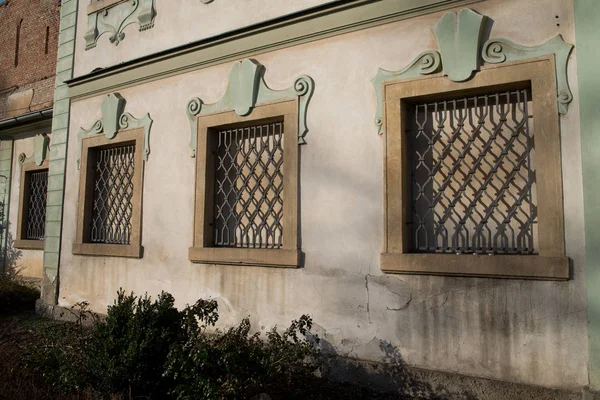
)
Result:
{"points": [[82, 246], [550, 263], [202, 250], [20, 243]]}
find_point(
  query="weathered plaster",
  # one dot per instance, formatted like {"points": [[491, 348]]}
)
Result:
{"points": [[526, 331], [587, 15], [6, 151]]}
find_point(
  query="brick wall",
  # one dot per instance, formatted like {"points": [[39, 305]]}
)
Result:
{"points": [[36, 65]]}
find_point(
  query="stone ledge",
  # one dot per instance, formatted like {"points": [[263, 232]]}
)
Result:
{"points": [[60, 313]]}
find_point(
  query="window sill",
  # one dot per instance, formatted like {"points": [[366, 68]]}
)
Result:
{"points": [[24, 244], [494, 266], [107, 250], [251, 257], [102, 4]]}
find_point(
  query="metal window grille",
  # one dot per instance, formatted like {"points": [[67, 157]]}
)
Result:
{"points": [[473, 176], [36, 205], [112, 206], [248, 208]]}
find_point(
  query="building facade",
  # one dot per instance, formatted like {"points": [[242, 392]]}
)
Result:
{"points": [[29, 32], [409, 173]]}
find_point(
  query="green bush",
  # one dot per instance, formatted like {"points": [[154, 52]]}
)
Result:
{"points": [[16, 297], [59, 357], [149, 349], [236, 364], [128, 349]]}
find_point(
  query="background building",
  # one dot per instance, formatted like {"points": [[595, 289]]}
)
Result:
{"points": [[29, 33]]}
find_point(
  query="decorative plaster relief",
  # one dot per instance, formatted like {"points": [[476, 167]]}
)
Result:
{"points": [[114, 119], [426, 63], [459, 38], [115, 16], [501, 50], [41, 144], [245, 90]]}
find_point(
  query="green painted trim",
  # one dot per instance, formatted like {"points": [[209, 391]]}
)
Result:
{"points": [[459, 36], [425, 63], [114, 18], [113, 119], [41, 145], [587, 15], [5, 181], [502, 50], [58, 154], [316, 24], [245, 90]]}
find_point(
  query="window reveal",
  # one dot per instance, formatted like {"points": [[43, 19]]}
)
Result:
{"points": [[36, 205], [248, 187], [112, 207], [472, 175]]}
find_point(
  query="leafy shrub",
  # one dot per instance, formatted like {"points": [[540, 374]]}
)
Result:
{"points": [[127, 350], [235, 364], [59, 357], [149, 349], [16, 297]]}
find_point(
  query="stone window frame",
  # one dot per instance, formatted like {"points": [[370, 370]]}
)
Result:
{"points": [[550, 262], [202, 250], [26, 169], [89, 144]]}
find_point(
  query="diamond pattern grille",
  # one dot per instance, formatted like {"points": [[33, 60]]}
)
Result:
{"points": [[249, 187], [113, 191], [473, 176], [36, 205]]}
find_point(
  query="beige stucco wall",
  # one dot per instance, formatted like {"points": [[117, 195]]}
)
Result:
{"points": [[194, 20], [27, 262], [527, 331]]}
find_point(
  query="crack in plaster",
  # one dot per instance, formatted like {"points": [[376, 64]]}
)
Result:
{"points": [[404, 307], [368, 297]]}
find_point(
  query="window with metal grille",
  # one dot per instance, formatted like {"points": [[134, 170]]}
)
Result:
{"points": [[248, 186], [37, 189], [473, 175], [112, 207]]}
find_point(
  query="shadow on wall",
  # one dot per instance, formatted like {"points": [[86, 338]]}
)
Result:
{"points": [[12, 268], [391, 375]]}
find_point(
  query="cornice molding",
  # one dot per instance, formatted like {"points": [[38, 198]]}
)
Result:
{"points": [[320, 22], [247, 89], [113, 119]]}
